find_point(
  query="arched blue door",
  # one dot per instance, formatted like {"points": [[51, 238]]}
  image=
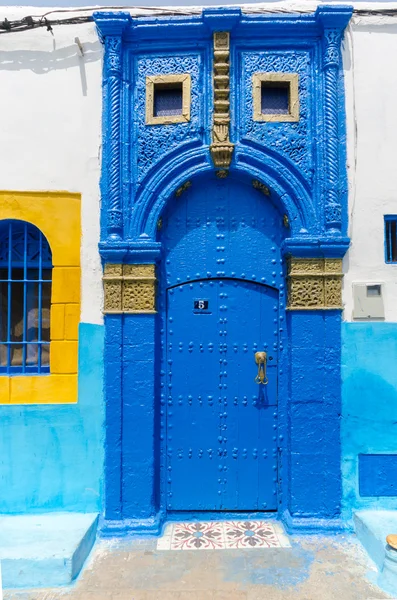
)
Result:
{"points": [[222, 300], [221, 424]]}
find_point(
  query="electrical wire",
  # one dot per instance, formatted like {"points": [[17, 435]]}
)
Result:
{"points": [[146, 9], [28, 23], [33, 22]]}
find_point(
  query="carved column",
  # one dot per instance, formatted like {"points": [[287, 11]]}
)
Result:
{"points": [[331, 61], [221, 147], [113, 83]]}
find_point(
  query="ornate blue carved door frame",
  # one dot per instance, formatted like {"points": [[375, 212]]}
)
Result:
{"points": [[302, 165]]}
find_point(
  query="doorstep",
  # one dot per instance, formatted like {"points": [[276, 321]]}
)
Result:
{"points": [[45, 550], [372, 527]]}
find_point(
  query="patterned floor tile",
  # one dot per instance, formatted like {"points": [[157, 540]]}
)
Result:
{"points": [[253, 534], [198, 536], [220, 535]]}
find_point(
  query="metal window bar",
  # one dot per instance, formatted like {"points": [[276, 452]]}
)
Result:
{"points": [[9, 294], [25, 276], [40, 313], [390, 239], [25, 284]]}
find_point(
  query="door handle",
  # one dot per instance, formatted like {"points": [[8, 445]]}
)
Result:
{"points": [[261, 361]]}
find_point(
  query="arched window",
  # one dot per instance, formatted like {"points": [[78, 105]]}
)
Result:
{"points": [[25, 299]]}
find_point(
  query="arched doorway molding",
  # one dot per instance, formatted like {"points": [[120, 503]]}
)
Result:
{"points": [[283, 180]]}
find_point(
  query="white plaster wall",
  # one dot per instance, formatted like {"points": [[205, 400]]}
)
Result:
{"points": [[50, 127], [371, 106], [50, 107]]}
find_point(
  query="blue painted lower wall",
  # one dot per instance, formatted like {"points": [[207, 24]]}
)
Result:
{"points": [[51, 456], [369, 413]]}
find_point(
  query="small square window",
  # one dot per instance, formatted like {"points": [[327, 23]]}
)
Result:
{"points": [[391, 238], [167, 99], [275, 97]]}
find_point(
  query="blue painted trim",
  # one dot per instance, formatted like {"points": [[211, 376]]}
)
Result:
{"points": [[311, 247], [154, 526], [313, 525], [221, 19], [388, 242], [220, 516], [109, 528]]}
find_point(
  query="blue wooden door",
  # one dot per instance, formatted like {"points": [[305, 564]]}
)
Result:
{"points": [[221, 425]]}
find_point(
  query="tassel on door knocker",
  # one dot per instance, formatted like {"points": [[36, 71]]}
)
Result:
{"points": [[261, 360]]}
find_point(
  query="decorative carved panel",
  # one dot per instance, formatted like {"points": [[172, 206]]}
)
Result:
{"points": [[153, 143], [314, 283], [129, 288], [291, 139]]}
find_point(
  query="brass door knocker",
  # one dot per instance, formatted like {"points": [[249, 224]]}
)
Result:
{"points": [[261, 360]]}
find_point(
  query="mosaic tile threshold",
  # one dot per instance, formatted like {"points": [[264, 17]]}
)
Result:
{"points": [[223, 535]]}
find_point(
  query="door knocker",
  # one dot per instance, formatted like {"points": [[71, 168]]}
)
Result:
{"points": [[261, 360]]}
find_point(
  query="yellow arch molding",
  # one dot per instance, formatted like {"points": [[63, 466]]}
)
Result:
{"points": [[57, 215]]}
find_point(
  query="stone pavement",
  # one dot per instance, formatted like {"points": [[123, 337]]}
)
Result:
{"points": [[314, 568]]}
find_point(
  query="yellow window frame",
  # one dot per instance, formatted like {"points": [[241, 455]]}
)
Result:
{"points": [[58, 216]]}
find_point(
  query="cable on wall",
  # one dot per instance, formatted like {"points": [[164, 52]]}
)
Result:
{"points": [[33, 22]]}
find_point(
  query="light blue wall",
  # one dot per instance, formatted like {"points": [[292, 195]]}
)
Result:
{"points": [[369, 404], [51, 456]]}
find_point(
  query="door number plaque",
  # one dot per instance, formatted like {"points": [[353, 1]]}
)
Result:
{"points": [[200, 306]]}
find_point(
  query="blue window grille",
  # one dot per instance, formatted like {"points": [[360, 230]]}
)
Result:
{"points": [[391, 238], [25, 299], [275, 98], [167, 100]]}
